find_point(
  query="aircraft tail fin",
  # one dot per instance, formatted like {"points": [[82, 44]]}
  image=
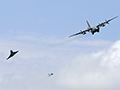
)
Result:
{"points": [[88, 24], [11, 51]]}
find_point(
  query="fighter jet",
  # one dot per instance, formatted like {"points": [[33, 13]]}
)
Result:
{"points": [[93, 29], [50, 74], [12, 54]]}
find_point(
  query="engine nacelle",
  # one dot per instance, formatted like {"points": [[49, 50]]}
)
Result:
{"points": [[103, 25], [84, 33]]}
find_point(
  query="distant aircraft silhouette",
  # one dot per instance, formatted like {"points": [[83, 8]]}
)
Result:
{"points": [[50, 74], [12, 54]]}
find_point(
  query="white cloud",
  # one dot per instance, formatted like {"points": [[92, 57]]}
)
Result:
{"points": [[111, 57], [72, 70], [100, 70]]}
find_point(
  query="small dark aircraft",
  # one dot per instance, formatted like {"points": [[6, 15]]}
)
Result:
{"points": [[93, 29], [12, 54], [50, 74]]}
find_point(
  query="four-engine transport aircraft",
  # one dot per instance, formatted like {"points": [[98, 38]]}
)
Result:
{"points": [[93, 29]]}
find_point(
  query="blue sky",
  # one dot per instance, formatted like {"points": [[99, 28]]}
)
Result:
{"points": [[58, 18], [39, 29]]}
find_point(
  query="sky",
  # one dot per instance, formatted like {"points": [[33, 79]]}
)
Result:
{"points": [[39, 29]]}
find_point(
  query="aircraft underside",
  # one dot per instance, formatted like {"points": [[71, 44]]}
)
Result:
{"points": [[94, 30]]}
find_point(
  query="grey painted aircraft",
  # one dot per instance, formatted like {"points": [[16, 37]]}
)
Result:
{"points": [[93, 29], [12, 54], [50, 74]]}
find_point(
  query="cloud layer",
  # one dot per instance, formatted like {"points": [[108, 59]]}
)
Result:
{"points": [[72, 68], [93, 71]]}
